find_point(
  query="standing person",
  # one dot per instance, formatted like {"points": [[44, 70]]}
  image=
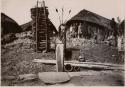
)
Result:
{"points": [[114, 27], [76, 29], [95, 38], [71, 30], [80, 30], [111, 40]]}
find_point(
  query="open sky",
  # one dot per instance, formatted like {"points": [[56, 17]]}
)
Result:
{"points": [[19, 10]]}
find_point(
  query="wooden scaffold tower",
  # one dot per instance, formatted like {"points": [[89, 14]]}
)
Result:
{"points": [[39, 17]]}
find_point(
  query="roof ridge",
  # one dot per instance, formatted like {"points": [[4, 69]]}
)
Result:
{"points": [[94, 13]]}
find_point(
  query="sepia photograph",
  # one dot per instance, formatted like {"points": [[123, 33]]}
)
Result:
{"points": [[62, 42]]}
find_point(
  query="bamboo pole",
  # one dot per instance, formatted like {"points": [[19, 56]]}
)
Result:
{"points": [[91, 65], [36, 49], [62, 15], [67, 16], [58, 16], [47, 44]]}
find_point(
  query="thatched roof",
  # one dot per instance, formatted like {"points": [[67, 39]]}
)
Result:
{"points": [[28, 26], [9, 25], [121, 28], [91, 17]]}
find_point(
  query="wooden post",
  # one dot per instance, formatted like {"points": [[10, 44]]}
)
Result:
{"points": [[36, 43], [65, 40], [59, 56], [47, 44]]}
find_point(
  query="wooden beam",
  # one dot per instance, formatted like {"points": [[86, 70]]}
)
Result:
{"points": [[84, 64], [47, 44], [45, 61]]}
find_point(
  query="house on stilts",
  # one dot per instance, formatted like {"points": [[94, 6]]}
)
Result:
{"points": [[89, 25]]}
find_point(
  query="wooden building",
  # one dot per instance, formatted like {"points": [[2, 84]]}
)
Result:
{"points": [[89, 25], [8, 25], [9, 28]]}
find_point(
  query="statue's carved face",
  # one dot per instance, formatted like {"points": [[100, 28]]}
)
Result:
{"points": [[62, 28]]}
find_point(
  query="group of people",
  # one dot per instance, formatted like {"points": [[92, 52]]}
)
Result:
{"points": [[76, 30], [114, 35], [80, 30]]}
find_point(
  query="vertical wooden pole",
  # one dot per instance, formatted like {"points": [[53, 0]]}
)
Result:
{"points": [[62, 15], [47, 44], [59, 56], [65, 40], [36, 27]]}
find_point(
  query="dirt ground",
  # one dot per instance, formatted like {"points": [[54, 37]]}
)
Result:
{"points": [[17, 59], [84, 78]]}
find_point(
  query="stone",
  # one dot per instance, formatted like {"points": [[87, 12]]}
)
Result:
{"points": [[54, 77]]}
